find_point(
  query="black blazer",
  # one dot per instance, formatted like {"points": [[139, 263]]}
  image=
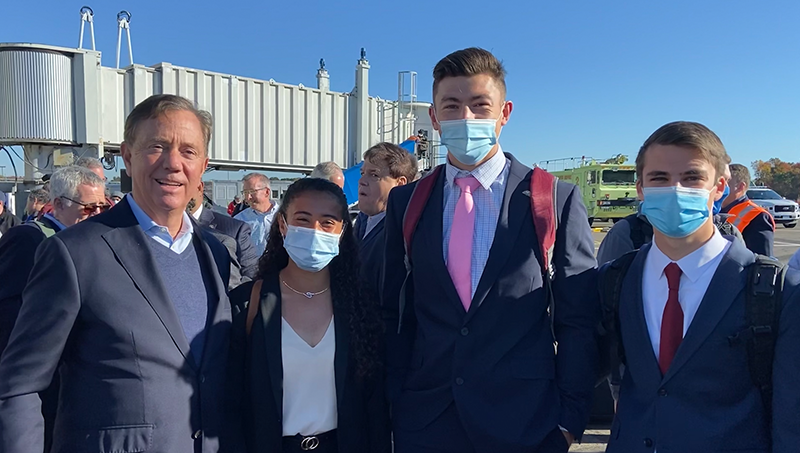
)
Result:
{"points": [[17, 250], [257, 381], [370, 251], [244, 259]]}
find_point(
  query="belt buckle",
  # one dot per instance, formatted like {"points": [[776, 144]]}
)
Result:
{"points": [[309, 443]]}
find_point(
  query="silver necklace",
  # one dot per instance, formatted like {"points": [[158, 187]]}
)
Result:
{"points": [[308, 294]]}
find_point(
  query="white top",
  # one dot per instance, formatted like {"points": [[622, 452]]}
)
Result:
{"points": [[309, 384], [697, 270]]}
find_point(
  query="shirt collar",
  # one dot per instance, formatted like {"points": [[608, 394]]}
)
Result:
{"points": [[60, 225], [196, 214], [271, 210], [695, 264], [148, 224], [486, 174]]}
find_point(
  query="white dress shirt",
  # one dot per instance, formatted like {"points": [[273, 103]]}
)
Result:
{"points": [[697, 269], [196, 214], [160, 233], [309, 383], [487, 200], [373, 221]]}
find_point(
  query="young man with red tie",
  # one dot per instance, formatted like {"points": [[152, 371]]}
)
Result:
{"points": [[685, 315], [470, 342]]}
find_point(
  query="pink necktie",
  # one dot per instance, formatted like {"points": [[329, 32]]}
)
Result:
{"points": [[459, 253]]}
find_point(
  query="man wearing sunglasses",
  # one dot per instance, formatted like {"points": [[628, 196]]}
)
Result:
{"points": [[259, 215], [76, 194]]}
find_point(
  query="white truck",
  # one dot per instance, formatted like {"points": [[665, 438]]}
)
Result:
{"points": [[784, 211]]}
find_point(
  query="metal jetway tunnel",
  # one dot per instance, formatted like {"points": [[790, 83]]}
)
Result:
{"points": [[59, 103]]}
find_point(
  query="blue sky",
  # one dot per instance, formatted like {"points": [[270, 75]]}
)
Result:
{"points": [[587, 77]]}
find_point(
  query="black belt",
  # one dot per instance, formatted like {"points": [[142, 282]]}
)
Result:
{"points": [[322, 443]]}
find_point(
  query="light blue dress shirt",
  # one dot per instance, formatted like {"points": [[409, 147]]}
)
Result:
{"points": [[260, 223], [160, 233], [487, 200]]}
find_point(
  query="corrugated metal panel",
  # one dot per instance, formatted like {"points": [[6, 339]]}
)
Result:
{"points": [[256, 122], [36, 96]]}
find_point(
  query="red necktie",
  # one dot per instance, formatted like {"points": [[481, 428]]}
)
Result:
{"points": [[672, 322]]}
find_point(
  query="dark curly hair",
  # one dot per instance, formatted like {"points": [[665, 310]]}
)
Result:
{"points": [[347, 291]]}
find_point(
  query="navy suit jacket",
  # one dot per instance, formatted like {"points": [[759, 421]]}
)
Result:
{"points": [[244, 259], [17, 250], [370, 251], [707, 401], [496, 361], [97, 310]]}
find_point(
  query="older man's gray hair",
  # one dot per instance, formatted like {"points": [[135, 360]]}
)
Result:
{"points": [[65, 181], [330, 171], [258, 177], [88, 162]]}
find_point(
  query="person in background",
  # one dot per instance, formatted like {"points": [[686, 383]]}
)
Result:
{"points": [[754, 222], [233, 234], [330, 171], [261, 212], [794, 261], [306, 353], [385, 167], [7, 219], [90, 163], [131, 308], [682, 320], [117, 196], [37, 198], [77, 195], [232, 205], [472, 367]]}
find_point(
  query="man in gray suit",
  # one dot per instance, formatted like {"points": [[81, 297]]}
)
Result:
{"points": [[130, 308]]}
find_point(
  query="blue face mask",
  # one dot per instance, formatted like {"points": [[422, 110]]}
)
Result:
{"points": [[468, 140], [675, 211], [718, 203], [311, 250]]}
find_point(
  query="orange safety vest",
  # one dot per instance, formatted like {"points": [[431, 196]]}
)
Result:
{"points": [[743, 213]]}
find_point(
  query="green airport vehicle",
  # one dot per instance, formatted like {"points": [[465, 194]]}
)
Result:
{"points": [[608, 187]]}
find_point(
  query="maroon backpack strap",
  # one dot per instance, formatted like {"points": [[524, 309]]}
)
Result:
{"points": [[416, 204], [545, 220], [543, 209]]}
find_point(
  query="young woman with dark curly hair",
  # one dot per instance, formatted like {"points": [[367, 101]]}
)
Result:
{"points": [[306, 353]]}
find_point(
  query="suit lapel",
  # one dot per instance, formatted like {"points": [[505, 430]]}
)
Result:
{"points": [[516, 206], [207, 218], [270, 309], [726, 284], [636, 337], [373, 233], [429, 232], [129, 244], [217, 310]]}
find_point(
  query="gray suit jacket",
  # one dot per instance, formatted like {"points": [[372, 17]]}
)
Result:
{"points": [[97, 311]]}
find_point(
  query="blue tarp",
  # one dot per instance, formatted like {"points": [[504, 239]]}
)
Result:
{"points": [[353, 174]]}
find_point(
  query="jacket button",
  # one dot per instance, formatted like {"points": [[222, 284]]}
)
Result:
{"points": [[459, 381], [202, 378], [662, 392], [464, 331], [197, 434], [648, 442]]}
